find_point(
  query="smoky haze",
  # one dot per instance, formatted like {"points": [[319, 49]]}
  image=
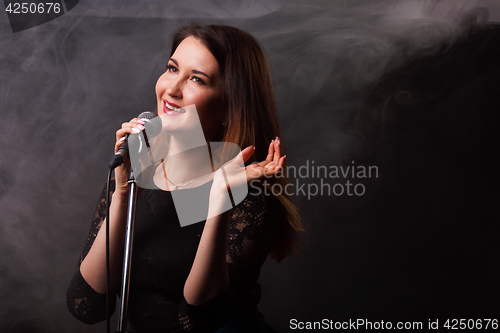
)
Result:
{"points": [[69, 84]]}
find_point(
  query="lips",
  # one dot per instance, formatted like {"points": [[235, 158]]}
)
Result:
{"points": [[172, 108], [172, 104]]}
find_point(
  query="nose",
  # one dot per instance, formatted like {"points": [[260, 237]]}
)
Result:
{"points": [[174, 87]]}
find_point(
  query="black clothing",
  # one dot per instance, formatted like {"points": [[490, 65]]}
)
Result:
{"points": [[163, 253]]}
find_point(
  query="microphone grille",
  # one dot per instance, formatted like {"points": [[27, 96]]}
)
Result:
{"points": [[153, 123], [146, 115]]}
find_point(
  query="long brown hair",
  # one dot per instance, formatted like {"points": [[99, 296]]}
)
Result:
{"points": [[249, 103]]}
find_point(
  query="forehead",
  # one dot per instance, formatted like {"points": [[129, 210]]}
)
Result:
{"points": [[192, 53]]}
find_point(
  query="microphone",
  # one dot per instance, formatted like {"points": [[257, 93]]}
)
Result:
{"points": [[153, 127]]}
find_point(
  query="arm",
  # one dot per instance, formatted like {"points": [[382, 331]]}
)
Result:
{"points": [[83, 301], [93, 267], [209, 276], [86, 294], [249, 240]]}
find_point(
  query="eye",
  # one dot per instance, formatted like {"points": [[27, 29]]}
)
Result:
{"points": [[171, 68], [198, 80]]}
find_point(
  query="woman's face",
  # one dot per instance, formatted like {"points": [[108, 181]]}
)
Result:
{"points": [[192, 78]]}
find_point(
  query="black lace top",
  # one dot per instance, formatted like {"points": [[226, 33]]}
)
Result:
{"points": [[163, 253]]}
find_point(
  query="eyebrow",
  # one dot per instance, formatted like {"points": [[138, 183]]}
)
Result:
{"points": [[193, 71]]}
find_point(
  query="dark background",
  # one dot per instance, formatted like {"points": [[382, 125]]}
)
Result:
{"points": [[411, 87]]}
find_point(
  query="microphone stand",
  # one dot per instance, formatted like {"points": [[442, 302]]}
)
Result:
{"points": [[127, 256]]}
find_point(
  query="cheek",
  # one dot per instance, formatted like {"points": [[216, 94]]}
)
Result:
{"points": [[194, 96], [160, 86], [210, 101], [160, 90]]}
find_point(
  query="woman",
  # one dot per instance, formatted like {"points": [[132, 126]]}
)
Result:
{"points": [[200, 277]]}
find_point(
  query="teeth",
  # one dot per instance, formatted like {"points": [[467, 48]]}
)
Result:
{"points": [[172, 108]]}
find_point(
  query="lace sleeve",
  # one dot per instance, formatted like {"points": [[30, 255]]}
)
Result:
{"points": [[250, 239], [83, 302]]}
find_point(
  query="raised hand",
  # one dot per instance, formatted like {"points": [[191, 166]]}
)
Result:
{"points": [[269, 167], [233, 175]]}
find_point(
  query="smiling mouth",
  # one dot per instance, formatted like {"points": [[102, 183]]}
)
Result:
{"points": [[173, 108]]}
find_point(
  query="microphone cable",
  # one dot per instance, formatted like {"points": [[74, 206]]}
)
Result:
{"points": [[108, 275]]}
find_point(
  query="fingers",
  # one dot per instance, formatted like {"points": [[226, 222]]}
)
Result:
{"points": [[281, 162], [273, 168], [274, 161], [134, 126], [273, 154], [247, 152], [277, 150], [270, 154], [119, 143]]}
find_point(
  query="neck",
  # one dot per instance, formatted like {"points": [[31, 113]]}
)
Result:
{"points": [[179, 144], [186, 161]]}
